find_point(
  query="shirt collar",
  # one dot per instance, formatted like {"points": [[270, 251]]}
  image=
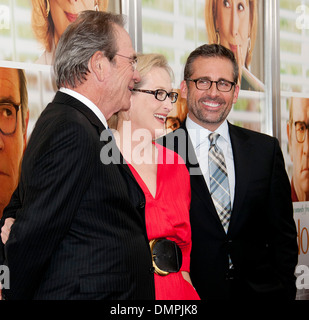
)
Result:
{"points": [[198, 134], [86, 102], [223, 130]]}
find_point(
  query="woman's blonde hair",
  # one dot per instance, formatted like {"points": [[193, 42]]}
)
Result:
{"points": [[42, 22], [181, 107], [210, 21], [148, 61]]}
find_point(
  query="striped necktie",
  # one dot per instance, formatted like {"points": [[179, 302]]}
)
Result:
{"points": [[219, 184]]}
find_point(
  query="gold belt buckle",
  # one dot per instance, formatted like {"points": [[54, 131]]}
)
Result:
{"points": [[158, 271]]}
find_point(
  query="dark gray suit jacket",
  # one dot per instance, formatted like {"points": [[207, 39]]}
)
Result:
{"points": [[80, 225], [261, 239]]}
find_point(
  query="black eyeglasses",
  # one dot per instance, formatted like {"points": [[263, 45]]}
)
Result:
{"points": [[301, 129], [160, 94], [133, 60], [205, 84], [8, 118]]}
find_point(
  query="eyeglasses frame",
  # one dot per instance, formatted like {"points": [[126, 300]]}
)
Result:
{"points": [[307, 130], [17, 108], [211, 82], [155, 93], [133, 60]]}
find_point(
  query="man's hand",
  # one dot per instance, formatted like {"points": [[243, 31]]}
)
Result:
{"points": [[6, 229]]}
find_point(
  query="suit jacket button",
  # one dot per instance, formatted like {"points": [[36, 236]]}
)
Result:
{"points": [[142, 205], [151, 270]]}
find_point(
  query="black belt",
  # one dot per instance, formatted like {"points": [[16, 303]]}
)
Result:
{"points": [[166, 256]]}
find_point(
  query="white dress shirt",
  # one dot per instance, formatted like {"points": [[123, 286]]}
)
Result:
{"points": [[86, 102], [201, 144]]}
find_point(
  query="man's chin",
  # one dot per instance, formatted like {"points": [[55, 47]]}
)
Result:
{"points": [[125, 107]]}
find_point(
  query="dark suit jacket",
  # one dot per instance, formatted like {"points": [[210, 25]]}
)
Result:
{"points": [[261, 239], [80, 230]]}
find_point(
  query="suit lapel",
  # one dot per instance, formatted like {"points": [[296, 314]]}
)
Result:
{"points": [[198, 183], [68, 100], [242, 159], [65, 99]]}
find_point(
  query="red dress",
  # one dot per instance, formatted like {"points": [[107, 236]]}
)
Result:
{"points": [[167, 216]]}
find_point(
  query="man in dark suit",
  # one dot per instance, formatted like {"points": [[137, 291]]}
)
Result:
{"points": [[252, 254], [80, 224]]}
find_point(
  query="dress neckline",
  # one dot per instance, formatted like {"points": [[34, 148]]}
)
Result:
{"points": [[141, 182]]}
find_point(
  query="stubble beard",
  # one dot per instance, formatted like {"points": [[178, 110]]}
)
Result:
{"points": [[208, 117]]}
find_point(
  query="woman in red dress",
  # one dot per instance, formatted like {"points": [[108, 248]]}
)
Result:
{"points": [[161, 173]]}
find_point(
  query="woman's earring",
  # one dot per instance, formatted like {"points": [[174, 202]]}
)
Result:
{"points": [[47, 8], [96, 6], [217, 37]]}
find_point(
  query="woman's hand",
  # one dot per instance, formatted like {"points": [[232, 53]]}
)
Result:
{"points": [[186, 276], [6, 229]]}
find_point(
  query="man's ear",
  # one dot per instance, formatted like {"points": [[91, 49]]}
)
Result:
{"points": [[99, 65], [236, 92], [183, 89]]}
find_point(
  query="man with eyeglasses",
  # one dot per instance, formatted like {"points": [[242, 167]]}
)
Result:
{"points": [[80, 229], [243, 233], [14, 116], [297, 131]]}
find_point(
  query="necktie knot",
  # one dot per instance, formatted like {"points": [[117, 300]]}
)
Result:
{"points": [[213, 137]]}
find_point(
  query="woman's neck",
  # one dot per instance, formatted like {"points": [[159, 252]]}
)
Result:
{"points": [[135, 147]]}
